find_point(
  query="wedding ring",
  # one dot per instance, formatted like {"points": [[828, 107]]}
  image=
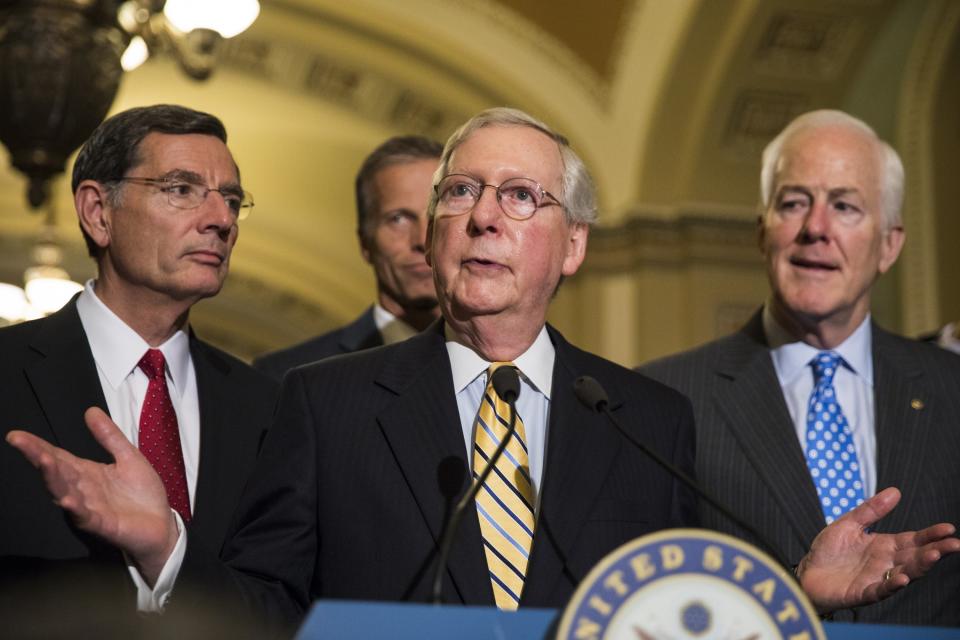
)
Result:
{"points": [[887, 574]]}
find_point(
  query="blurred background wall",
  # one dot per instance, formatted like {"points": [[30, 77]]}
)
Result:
{"points": [[669, 102]]}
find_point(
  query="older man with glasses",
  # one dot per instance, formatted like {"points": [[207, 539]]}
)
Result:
{"points": [[369, 452], [158, 198]]}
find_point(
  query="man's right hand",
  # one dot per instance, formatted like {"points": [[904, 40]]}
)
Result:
{"points": [[124, 503]]}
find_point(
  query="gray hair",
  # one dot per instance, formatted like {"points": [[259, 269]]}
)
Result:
{"points": [[578, 197], [892, 168]]}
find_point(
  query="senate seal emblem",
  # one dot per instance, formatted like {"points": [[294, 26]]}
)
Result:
{"points": [[689, 584]]}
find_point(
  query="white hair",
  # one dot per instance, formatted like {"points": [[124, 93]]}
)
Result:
{"points": [[892, 168]]}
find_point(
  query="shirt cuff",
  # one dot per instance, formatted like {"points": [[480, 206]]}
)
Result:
{"points": [[154, 600]]}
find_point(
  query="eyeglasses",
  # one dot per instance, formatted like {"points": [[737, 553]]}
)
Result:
{"points": [[519, 198], [183, 194]]}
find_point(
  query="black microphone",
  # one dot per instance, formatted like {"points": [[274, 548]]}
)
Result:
{"points": [[592, 395], [506, 384]]}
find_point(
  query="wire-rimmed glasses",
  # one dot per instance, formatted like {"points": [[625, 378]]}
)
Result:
{"points": [[519, 198], [184, 194]]}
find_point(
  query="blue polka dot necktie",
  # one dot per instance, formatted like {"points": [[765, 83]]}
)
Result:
{"points": [[831, 452]]}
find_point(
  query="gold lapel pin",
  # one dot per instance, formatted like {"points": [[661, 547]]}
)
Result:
{"points": [[916, 404]]}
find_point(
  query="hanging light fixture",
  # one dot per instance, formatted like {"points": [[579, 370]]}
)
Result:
{"points": [[61, 62], [190, 30], [14, 306], [227, 17], [47, 285]]}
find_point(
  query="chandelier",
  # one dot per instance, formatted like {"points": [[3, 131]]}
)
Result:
{"points": [[47, 286], [61, 62], [189, 30]]}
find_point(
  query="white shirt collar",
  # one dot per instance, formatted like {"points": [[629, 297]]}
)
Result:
{"points": [[535, 364], [791, 357], [392, 329], [117, 348], [949, 337]]}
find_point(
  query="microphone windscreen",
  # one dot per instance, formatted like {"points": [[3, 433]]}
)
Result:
{"points": [[590, 393], [506, 383], [451, 473]]}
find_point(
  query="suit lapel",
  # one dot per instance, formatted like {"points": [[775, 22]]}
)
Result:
{"points": [[902, 424], [217, 449], [66, 382], [360, 334], [580, 450], [423, 430], [749, 398]]}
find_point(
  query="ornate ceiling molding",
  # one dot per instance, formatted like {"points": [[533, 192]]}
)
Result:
{"points": [[806, 45], [326, 73]]}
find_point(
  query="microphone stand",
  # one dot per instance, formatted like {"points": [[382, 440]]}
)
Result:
{"points": [[592, 395], [509, 395]]}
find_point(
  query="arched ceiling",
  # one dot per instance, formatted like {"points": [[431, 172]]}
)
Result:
{"points": [[668, 102]]}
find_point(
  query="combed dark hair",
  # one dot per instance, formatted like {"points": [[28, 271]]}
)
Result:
{"points": [[396, 150], [114, 147]]}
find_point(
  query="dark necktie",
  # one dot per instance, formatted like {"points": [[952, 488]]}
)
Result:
{"points": [[160, 436]]}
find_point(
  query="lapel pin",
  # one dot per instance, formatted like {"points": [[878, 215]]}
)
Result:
{"points": [[916, 404]]}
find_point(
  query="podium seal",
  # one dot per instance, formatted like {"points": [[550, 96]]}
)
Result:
{"points": [[689, 584]]}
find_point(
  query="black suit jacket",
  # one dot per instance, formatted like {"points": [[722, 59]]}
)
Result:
{"points": [[366, 458], [360, 334], [749, 455], [48, 378]]}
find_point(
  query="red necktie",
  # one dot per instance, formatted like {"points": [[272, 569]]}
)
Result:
{"points": [[160, 435]]}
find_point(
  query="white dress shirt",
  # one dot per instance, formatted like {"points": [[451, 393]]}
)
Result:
{"points": [[949, 337], [117, 350], [533, 404], [392, 329], [469, 381], [853, 382]]}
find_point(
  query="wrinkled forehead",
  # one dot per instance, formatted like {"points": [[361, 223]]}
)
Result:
{"points": [[495, 153], [199, 153], [831, 158]]}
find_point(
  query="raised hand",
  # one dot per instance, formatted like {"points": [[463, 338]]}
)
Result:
{"points": [[124, 502], [848, 565]]}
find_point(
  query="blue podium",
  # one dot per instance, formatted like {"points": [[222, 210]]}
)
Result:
{"points": [[343, 620]]}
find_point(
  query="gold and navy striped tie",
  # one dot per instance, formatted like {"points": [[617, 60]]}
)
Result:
{"points": [[505, 502]]}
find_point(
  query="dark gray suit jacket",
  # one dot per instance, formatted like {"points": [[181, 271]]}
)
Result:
{"points": [[48, 378], [366, 458], [360, 334], [748, 453]]}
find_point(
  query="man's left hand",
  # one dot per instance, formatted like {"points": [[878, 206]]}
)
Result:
{"points": [[848, 565]]}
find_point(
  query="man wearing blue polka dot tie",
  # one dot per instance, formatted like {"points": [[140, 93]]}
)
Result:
{"points": [[158, 199], [811, 408]]}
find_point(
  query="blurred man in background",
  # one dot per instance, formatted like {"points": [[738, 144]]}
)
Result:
{"points": [[392, 190]]}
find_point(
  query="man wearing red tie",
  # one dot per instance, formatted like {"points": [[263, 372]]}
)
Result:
{"points": [[158, 198]]}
